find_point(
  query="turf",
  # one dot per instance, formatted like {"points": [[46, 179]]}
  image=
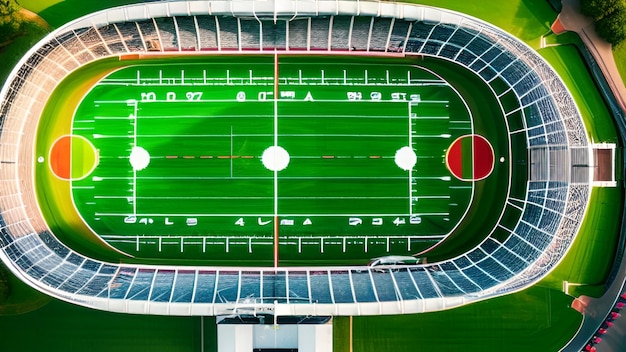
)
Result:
{"points": [[62, 219], [619, 54], [589, 261], [22, 298], [489, 121], [341, 168], [67, 327], [59, 12]]}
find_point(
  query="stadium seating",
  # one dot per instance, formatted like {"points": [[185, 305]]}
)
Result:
{"points": [[534, 245]]}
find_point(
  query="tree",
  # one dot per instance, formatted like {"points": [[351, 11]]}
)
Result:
{"points": [[609, 17], [10, 20], [612, 27], [599, 9]]}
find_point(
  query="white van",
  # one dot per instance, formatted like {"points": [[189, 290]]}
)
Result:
{"points": [[393, 260]]}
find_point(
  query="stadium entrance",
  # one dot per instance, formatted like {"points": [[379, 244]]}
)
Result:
{"points": [[267, 333]]}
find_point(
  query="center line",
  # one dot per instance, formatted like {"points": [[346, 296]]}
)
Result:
{"points": [[231, 151], [276, 171], [135, 110]]}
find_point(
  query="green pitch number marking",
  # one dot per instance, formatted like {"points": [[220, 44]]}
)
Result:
{"points": [[208, 159]]}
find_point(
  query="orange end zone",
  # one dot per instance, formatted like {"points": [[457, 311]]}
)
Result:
{"points": [[60, 158], [72, 157]]}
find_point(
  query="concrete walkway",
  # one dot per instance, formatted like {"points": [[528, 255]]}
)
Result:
{"points": [[596, 310]]}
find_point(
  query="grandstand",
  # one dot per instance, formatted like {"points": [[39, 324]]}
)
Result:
{"points": [[534, 100]]}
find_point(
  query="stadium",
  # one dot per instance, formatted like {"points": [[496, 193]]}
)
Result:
{"points": [[248, 158]]}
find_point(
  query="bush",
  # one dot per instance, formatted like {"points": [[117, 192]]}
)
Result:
{"points": [[612, 27], [609, 16], [600, 8], [10, 20]]}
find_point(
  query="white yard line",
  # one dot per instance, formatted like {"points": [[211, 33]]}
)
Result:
{"points": [[286, 215], [256, 178], [232, 135], [256, 198], [134, 145], [410, 146]]}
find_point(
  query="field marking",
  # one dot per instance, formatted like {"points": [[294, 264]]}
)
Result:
{"points": [[275, 135], [276, 171], [134, 121], [319, 100], [261, 198], [253, 116], [330, 239], [409, 111], [255, 178], [271, 214], [257, 157], [264, 81], [350, 334], [232, 135], [231, 149], [70, 178]]}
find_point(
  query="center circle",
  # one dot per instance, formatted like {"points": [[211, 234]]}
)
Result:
{"points": [[405, 158], [275, 158], [139, 158]]}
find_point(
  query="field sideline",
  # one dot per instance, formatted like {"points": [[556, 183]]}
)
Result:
{"points": [[316, 222]]}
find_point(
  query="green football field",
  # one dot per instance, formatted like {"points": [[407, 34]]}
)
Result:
{"points": [[281, 158]]}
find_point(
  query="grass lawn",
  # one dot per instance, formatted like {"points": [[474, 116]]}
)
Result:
{"points": [[536, 319], [528, 20], [59, 12], [61, 326], [22, 298], [589, 260], [619, 53]]}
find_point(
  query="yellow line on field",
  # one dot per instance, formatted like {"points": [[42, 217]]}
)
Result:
{"points": [[351, 333]]}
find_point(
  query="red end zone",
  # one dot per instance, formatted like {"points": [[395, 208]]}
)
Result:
{"points": [[470, 158], [60, 154]]}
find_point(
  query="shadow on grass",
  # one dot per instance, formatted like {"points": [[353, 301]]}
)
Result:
{"points": [[533, 18], [22, 298]]}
